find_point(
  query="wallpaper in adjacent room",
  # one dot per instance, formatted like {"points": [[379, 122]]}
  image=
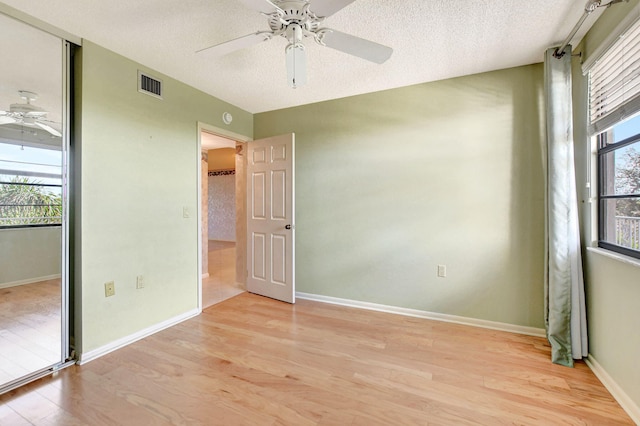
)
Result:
{"points": [[222, 205]]}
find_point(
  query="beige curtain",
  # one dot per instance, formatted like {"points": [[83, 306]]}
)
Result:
{"points": [[565, 317]]}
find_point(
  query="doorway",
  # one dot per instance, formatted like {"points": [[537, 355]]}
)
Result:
{"points": [[222, 218]]}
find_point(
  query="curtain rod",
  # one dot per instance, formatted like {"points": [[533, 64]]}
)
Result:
{"points": [[589, 8]]}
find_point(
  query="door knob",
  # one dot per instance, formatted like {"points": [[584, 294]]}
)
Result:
{"points": [[287, 227]]}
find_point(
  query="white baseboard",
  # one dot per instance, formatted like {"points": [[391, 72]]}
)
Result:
{"points": [[30, 281], [120, 343], [617, 392], [531, 331]]}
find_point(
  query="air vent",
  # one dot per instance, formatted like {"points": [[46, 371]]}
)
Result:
{"points": [[149, 85]]}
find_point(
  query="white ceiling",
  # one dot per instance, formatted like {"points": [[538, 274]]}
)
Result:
{"points": [[32, 61], [432, 40], [209, 141]]}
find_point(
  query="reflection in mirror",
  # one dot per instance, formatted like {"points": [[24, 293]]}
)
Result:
{"points": [[31, 201]]}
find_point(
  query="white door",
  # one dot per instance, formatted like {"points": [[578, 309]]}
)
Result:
{"points": [[270, 217]]}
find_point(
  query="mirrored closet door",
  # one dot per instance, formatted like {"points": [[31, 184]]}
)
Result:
{"points": [[33, 151]]}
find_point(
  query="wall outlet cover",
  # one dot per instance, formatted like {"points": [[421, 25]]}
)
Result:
{"points": [[109, 289]]}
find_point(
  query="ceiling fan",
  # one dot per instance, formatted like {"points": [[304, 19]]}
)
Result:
{"points": [[296, 20], [27, 114]]}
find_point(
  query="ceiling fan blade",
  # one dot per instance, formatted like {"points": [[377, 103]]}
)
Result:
{"points": [[264, 6], [35, 114], [49, 129], [6, 120], [237, 44], [357, 46], [324, 8]]}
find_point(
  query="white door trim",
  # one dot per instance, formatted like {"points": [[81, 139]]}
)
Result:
{"points": [[204, 127]]}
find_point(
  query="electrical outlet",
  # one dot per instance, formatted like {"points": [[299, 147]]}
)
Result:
{"points": [[442, 271], [109, 289], [186, 213], [140, 281]]}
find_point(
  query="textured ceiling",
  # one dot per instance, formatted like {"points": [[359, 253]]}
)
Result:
{"points": [[432, 40], [38, 70], [210, 141]]}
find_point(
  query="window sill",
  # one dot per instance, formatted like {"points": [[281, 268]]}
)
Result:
{"points": [[28, 227], [616, 256]]}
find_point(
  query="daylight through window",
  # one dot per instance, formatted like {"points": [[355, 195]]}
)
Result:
{"points": [[30, 186], [614, 92], [619, 170]]}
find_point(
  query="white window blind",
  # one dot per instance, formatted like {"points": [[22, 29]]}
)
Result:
{"points": [[614, 88]]}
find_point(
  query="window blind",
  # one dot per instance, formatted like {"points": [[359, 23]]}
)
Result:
{"points": [[614, 82]]}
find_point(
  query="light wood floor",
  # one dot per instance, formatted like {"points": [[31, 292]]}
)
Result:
{"points": [[221, 283], [30, 329], [255, 361]]}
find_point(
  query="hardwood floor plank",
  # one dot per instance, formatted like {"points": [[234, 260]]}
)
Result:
{"points": [[34, 407], [220, 368], [30, 328], [254, 361], [8, 416], [227, 397], [88, 398]]}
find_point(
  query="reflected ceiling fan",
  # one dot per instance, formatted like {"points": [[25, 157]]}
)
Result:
{"points": [[29, 115], [296, 20]]}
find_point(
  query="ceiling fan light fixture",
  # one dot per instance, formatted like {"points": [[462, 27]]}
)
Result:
{"points": [[296, 57], [296, 20], [296, 65], [28, 116]]}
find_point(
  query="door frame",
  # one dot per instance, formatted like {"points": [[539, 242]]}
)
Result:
{"points": [[238, 138]]}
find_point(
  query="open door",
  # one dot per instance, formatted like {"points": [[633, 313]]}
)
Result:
{"points": [[271, 217]]}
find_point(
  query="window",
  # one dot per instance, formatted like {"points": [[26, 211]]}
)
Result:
{"points": [[30, 186], [619, 187], [614, 98]]}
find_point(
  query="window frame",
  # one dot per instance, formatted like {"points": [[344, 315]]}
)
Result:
{"points": [[603, 148], [613, 72], [32, 225], [7, 177]]}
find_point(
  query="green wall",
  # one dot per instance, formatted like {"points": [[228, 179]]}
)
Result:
{"points": [[393, 183], [138, 166], [28, 254], [612, 286]]}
